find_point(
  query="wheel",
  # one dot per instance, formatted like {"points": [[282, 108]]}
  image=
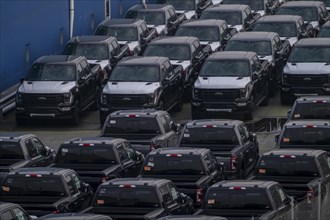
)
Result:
{"points": [[179, 106], [285, 99], [76, 114]]}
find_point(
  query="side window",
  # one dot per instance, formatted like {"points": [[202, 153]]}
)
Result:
{"points": [[169, 120], [174, 192], [281, 193], [77, 182], [81, 74], [323, 159], [145, 29], [209, 163], [172, 14], [112, 50], [7, 216], [246, 131], [168, 66], [242, 134], [69, 182], [122, 153], [130, 151], [33, 152], [116, 47], [39, 146], [168, 73], [85, 66], [275, 196], [167, 197], [19, 214], [163, 72], [165, 124]]}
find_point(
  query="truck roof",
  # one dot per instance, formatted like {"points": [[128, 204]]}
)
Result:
{"points": [[49, 171], [59, 59], [244, 183], [74, 216], [218, 122], [323, 42], [179, 151], [206, 23], [301, 4], [224, 7], [313, 99], [122, 22], [140, 112], [92, 39], [150, 7], [14, 137], [255, 36], [94, 140], [295, 152], [308, 123], [174, 40], [6, 205], [279, 18], [152, 60], [136, 181], [234, 55]]}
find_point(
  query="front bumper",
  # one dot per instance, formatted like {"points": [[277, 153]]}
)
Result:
{"points": [[65, 112], [302, 91]]}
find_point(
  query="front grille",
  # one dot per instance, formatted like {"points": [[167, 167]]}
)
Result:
{"points": [[40, 100], [216, 95], [129, 100], [307, 80]]}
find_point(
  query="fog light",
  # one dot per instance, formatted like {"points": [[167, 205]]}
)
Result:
{"points": [[196, 103], [66, 109], [241, 104], [104, 109], [20, 108]]}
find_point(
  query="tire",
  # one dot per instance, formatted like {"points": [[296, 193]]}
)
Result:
{"points": [[179, 106], [76, 114]]}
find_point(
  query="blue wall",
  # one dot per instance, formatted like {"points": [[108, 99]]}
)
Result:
{"points": [[33, 28]]}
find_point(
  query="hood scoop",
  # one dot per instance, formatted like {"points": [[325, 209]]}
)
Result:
{"points": [[29, 82], [205, 78], [148, 83], [114, 83], [241, 77], [64, 82]]}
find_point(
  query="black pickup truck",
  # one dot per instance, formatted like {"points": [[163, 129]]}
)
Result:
{"points": [[145, 129], [234, 146], [98, 159], [58, 87], [162, 17], [12, 211], [192, 170], [299, 171], [22, 150], [246, 199], [103, 50], [45, 190], [133, 198], [134, 33]]}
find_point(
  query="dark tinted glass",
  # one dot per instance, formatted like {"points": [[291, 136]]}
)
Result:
{"points": [[306, 136], [202, 33], [10, 150], [172, 51], [33, 186], [126, 197], [260, 47], [52, 72], [293, 167], [225, 198], [288, 29], [173, 165], [86, 155], [130, 125], [324, 32], [155, 18], [135, 73], [311, 111], [254, 4], [182, 5], [92, 51], [239, 68], [310, 54], [123, 33], [232, 17], [308, 13]]}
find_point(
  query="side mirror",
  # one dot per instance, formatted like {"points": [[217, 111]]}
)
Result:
{"points": [[21, 80], [253, 137], [289, 113], [81, 80], [173, 127], [87, 187], [255, 76]]}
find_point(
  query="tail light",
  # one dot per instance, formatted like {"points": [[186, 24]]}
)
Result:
{"points": [[233, 162], [56, 211], [309, 195], [184, 74], [104, 179], [129, 52], [154, 146], [199, 195]]}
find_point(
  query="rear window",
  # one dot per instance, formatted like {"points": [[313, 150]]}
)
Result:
{"points": [[32, 186], [173, 165], [209, 136], [132, 125], [311, 111], [10, 150], [251, 199], [277, 166], [306, 136], [86, 155], [127, 197]]}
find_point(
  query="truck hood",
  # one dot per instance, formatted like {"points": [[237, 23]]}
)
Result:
{"points": [[131, 87], [188, 13], [214, 45], [292, 40], [221, 82], [46, 86], [102, 63], [184, 63], [307, 68], [131, 44], [215, 2], [159, 28], [238, 27]]}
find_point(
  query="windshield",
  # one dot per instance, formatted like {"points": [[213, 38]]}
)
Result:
{"points": [[182, 5], [326, 2], [324, 32], [306, 136], [173, 165], [52, 72], [10, 150], [308, 13], [256, 5], [33, 186], [135, 73], [202, 33], [92, 51], [126, 197], [230, 199], [260, 47], [172, 51], [239, 68], [294, 167], [231, 17], [284, 29], [132, 125], [318, 110], [121, 33], [155, 18], [86, 155], [209, 136], [310, 54]]}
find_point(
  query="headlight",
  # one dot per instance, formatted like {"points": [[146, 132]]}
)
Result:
{"points": [[243, 93], [284, 78], [68, 97], [19, 98], [151, 98], [196, 93], [104, 99]]}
